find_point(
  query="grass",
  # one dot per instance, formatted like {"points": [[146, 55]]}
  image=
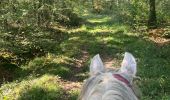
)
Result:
{"points": [[42, 88], [51, 75]]}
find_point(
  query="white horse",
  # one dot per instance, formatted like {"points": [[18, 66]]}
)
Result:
{"points": [[106, 84]]}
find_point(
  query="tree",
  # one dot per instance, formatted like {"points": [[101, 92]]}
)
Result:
{"points": [[152, 22]]}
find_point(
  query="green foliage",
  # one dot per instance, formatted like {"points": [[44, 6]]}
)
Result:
{"points": [[36, 13], [43, 65], [69, 18], [133, 12], [74, 94], [32, 28]]}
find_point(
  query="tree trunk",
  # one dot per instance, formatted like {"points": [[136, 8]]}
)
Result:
{"points": [[152, 22]]}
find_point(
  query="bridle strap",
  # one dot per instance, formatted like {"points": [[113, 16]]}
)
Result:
{"points": [[122, 79]]}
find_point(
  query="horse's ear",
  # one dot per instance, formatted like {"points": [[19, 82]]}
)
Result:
{"points": [[128, 64], [96, 65]]}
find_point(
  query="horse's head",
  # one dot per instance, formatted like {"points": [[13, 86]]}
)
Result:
{"points": [[106, 84]]}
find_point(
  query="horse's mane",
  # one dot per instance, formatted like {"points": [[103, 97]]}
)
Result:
{"points": [[91, 82]]}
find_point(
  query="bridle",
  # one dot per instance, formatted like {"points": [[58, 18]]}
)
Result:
{"points": [[124, 80]]}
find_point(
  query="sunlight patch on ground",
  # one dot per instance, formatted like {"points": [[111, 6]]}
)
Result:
{"points": [[74, 38], [99, 20], [80, 29], [108, 38], [101, 30], [105, 39], [58, 59]]}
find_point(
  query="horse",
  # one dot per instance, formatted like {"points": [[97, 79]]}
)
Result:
{"points": [[108, 84]]}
